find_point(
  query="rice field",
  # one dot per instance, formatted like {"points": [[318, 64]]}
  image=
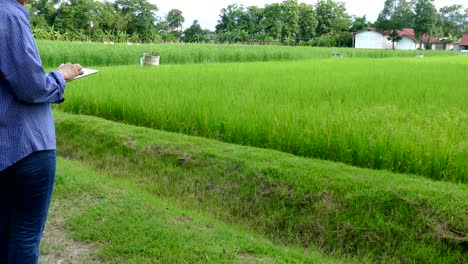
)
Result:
{"points": [[400, 114], [54, 53]]}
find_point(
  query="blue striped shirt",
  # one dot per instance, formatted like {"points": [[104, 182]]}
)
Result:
{"points": [[26, 92]]}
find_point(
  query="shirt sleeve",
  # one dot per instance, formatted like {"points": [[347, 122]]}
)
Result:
{"points": [[21, 65]]}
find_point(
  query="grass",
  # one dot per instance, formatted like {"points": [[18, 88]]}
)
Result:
{"points": [[124, 224], [54, 53], [366, 215], [403, 115]]}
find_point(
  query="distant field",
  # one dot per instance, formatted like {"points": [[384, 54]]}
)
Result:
{"points": [[54, 53], [402, 114]]}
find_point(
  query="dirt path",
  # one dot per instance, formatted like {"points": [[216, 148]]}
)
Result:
{"points": [[57, 247]]}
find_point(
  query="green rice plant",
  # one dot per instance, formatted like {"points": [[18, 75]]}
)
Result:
{"points": [[405, 115], [54, 53]]}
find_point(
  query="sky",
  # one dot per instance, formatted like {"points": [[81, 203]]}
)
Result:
{"points": [[207, 12]]}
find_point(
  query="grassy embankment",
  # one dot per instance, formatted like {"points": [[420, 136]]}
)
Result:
{"points": [[404, 115], [118, 222], [368, 215], [54, 53]]}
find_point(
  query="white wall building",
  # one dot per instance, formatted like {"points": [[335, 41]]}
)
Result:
{"points": [[406, 43], [368, 40], [373, 39]]}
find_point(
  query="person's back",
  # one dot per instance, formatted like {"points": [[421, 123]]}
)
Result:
{"points": [[27, 135], [26, 123]]}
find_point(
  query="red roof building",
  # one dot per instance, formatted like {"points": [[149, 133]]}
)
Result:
{"points": [[464, 40], [378, 39], [462, 45], [408, 32]]}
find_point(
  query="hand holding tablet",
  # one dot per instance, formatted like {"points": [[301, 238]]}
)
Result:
{"points": [[86, 72], [72, 72]]}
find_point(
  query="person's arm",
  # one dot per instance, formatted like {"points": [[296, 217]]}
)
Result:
{"points": [[21, 65]]}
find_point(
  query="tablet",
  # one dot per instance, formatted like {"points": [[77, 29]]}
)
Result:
{"points": [[86, 72]]}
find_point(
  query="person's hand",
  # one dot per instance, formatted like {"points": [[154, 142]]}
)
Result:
{"points": [[70, 71]]}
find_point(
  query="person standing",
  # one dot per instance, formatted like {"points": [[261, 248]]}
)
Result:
{"points": [[27, 135]]}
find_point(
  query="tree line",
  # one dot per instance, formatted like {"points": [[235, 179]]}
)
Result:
{"points": [[421, 15], [326, 23]]}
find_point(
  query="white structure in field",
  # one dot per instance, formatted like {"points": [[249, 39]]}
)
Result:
{"points": [[406, 43], [375, 39], [369, 40]]}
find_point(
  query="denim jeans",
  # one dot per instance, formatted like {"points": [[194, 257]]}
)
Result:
{"points": [[25, 192]]}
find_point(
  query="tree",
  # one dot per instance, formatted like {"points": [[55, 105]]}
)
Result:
{"points": [[452, 20], [104, 16], [359, 23], [74, 15], [43, 12], [290, 18], [175, 19], [405, 14], [230, 18], [395, 16], [425, 16], [194, 33], [253, 17], [272, 22], [465, 24], [307, 21], [121, 22], [118, 20], [332, 17], [138, 15]]}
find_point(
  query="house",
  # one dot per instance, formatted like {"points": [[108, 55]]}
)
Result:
{"points": [[377, 39], [369, 39], [462, 45], [443, 44], [408, 40]]}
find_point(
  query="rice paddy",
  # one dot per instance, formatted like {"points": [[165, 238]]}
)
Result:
{"points": [[97, 54], [400, 114], [382, 110]]}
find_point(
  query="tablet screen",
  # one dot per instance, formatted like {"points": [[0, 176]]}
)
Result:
{"points": [[86, 72]]}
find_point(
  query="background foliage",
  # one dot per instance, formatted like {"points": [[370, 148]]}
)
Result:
{"points": [[325, 24]]}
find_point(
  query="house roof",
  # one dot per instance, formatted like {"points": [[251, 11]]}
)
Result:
{"points": [[408, 32], [464, 40]]}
